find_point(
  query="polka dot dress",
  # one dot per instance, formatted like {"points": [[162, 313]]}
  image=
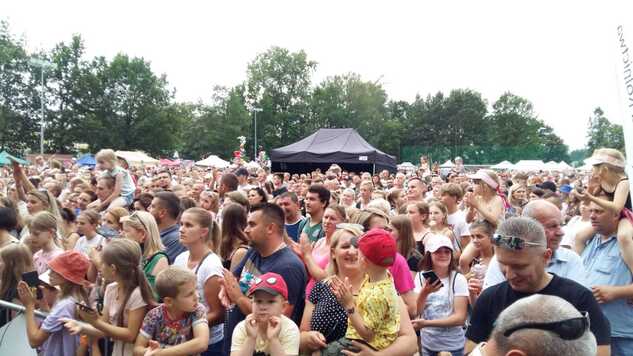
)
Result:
{"points": [[329, 317]]}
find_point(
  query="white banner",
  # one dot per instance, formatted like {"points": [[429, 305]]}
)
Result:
{"points": [[625, 89]]}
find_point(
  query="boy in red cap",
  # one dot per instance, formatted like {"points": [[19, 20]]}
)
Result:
{"points": [[374, 317], [266, 331]]}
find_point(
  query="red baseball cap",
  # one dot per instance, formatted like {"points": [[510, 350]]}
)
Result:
{"points": [[379, 247], [271, 283]]}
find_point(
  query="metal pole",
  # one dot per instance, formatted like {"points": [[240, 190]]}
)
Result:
{"points": [[42, 113], [255, 140], [21, 309]]}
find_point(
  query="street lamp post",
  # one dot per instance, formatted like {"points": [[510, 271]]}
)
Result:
{"points": [[43, 65], [255, 111]]}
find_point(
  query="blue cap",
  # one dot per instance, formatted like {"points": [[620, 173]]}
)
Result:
{"points": [[565, 188]]}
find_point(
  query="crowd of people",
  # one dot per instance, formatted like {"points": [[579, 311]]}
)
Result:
{"points": [[185, 261]]}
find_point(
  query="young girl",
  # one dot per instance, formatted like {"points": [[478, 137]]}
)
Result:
{"points": [[419, 215], [125, 301], [197, 232], [403, 233], [15, 259], [69, 235], [441, 304], [234, 239], [123, 193], [43, 232], [477, 255], [141, 227], [611, 193], [438, 221], [67, 273], [87, 223]]}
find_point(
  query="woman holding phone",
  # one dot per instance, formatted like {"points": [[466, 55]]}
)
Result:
{"points": [[442, 301]]}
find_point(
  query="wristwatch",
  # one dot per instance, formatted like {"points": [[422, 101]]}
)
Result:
{"points": [[350, 311]]}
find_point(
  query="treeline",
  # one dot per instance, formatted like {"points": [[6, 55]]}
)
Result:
{"points": [[122, 103]]}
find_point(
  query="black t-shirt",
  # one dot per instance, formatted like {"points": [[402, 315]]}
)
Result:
{"points": [[495, 299]]}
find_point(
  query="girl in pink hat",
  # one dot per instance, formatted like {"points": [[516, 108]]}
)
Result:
{"points": [[67, 273]]}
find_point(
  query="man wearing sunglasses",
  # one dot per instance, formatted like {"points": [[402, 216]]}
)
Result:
{"points": [[543, 325], [522, 252], [563, 263]]}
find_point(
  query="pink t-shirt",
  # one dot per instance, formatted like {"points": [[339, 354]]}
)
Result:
{"points": [[112, 305], [401, 274], [41, 258], [321, 257]]}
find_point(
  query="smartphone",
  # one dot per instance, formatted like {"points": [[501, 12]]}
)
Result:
{"points": [[33, 280], [84, 307], [431, 276]]}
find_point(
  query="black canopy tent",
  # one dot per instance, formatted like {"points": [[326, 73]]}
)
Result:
{"points": [[344, 147]]}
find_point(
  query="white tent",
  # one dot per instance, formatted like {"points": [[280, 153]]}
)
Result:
{"points": [[552, 166], [563, 166], [503, 165], [406, 166], [137, 158], [529, 165], [447, 164], [213, 161]]}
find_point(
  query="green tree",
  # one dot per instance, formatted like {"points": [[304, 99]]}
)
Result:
{"points": [[19, 126], [278, 81], [602, 133]]}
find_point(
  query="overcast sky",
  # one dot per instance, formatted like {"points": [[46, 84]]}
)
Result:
{"points": [[558, 54]]}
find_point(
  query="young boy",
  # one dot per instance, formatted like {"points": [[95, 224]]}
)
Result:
{"points": [[451, 194], [179, 325], [374, 318], [266, 331]]}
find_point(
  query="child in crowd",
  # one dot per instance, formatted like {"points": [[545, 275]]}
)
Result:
{"points": [[125, 299], [266, 331], [67, 273], [611, 192], [374, 317], [43, 230], [15, 259], [178, 326], [123, 193], [87, 224]]}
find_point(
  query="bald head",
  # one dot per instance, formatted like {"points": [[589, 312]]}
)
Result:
{"points": [[533, 341], [550, 217], [538, 209]]}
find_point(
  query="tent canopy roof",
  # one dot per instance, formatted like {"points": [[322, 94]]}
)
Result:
{"points": [[335, 146]]}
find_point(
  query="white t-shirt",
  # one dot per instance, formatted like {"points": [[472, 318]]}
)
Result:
{"points": [[458, 221], [84, 245], [439, 305], [211, 266], [288, 338], [571, 229]]}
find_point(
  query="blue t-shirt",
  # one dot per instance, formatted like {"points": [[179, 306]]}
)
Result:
{"points": [[127, 188], [284, 262], [171, 240]]}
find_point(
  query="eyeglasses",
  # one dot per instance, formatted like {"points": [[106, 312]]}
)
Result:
{"points": [[568, 329], [513, 242]]}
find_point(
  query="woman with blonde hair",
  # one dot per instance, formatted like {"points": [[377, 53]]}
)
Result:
{"points": [[141, 227], [517, 197], [324, 318], [486, 202], [111, 222]]}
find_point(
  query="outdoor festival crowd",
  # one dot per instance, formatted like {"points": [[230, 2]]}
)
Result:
{"points": [[241, 261]]}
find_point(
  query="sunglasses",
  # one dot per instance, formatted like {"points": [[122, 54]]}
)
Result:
{"points": [[568, 329], [513, 242], [138, 218]]}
